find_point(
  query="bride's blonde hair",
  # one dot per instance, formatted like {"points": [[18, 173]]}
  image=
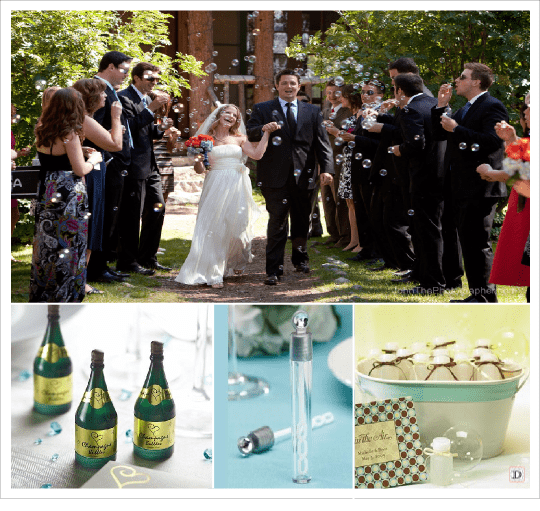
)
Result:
{"points": [[233, 130]]}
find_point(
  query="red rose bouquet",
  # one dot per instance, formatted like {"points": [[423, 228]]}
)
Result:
{"points": [[517, 162], [201, 144]]}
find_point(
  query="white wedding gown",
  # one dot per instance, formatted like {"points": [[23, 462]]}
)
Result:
{"points": [[227, 212]]}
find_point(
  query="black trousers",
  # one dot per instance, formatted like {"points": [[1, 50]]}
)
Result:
{"points": [[280, 202], [427, 239], [391, 226], [114, 185], [336, 212], [474, 219], [143, 199]]}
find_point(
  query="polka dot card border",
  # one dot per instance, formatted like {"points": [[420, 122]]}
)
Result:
{"points": [[410, 466]]}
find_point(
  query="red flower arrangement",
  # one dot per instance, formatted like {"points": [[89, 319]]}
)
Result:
{"points": [[201, 144], [520, 150]]}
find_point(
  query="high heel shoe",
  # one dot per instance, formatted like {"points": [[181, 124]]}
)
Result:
{"points": [[350, 247]]}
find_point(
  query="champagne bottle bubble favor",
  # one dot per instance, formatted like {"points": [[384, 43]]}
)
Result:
{"points": [[96, 420], [153, 432], [52, 370]]}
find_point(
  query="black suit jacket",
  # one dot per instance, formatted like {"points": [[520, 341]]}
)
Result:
{"points": [[103, 116], [477, 127], [143, 131], [420, 152], [300, 150]]}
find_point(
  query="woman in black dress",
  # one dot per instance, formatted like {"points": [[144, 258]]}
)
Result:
{"points": [[58, 272]]}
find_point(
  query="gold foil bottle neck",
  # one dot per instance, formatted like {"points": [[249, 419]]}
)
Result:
{"points": [[97, 398], [155, 394], [52, 353]]}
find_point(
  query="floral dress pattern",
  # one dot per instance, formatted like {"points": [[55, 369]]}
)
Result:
{"points": [[58, 272], [345, 188]]}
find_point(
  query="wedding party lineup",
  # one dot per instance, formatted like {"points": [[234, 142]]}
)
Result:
{"points": [[324, 216]]}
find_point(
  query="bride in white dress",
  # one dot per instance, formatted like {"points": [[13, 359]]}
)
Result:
{"points": [[221, 244]]}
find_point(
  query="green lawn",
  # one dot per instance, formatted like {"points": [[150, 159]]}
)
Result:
{"points": [[374, 286]]}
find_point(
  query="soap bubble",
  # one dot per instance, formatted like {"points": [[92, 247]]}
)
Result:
{"points": [[390, 150], [248, 111], [441, 60], [285, 201], [417, 137], [124, 173], [358, 156], [215, 53], [276, 141], [40, 84], [475, 148], [251, 59], [338, 141], [339, 81], [351, 144], [297, 172], [235, 62], [259, 184], [366, 164], [255, 14], [210, 67], [383, 172], [339, 159], [15, 119], [462, 145], [410, 212], [256, 31], [467, 444]]}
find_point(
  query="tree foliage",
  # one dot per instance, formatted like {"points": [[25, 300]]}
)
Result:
{"points": [[62, 47], [361, 44]]}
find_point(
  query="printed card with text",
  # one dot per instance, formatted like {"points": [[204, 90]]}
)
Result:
{"points": [[387, 449]]}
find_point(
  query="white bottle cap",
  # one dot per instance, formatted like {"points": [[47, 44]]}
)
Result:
{"points": [[374, 352], [437, 341], [441, 359], [421, 358], [477, 352], [404, 352], [441, 444], [488, 357], [391, 346], [461, 357], [482, 343], [386, 357], [440, 351]]}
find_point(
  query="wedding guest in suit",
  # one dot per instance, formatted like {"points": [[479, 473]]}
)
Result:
{"points": [[406, 65], [113, 69], [315, 226], [423, 158], [335, 210], [143, 194], [472, 140], [287, 171]]}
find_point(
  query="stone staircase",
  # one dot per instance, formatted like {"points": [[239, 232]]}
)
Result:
{"points": [[187, 183]]}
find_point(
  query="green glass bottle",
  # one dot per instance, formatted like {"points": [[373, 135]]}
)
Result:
{"points": [[52, 370], [96, 420], [153, 434]]}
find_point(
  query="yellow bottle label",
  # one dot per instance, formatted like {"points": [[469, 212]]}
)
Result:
{"points": [[155, 394], [53, 391], [51, 352], [97, 398], [95, 443], [153, 435]]}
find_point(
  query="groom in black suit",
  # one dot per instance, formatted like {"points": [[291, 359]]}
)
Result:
{"points": [[472, 140], [287, 171]]}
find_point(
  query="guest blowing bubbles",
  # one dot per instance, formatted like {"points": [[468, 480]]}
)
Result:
{"points": [[58, 272], [93, 93]]}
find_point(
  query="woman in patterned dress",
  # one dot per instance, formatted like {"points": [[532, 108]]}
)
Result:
{"points": [[354, 102], [58, 272]]}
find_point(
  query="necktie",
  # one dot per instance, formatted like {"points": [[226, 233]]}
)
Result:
{"points": [[464, 110], [290, 119]]}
